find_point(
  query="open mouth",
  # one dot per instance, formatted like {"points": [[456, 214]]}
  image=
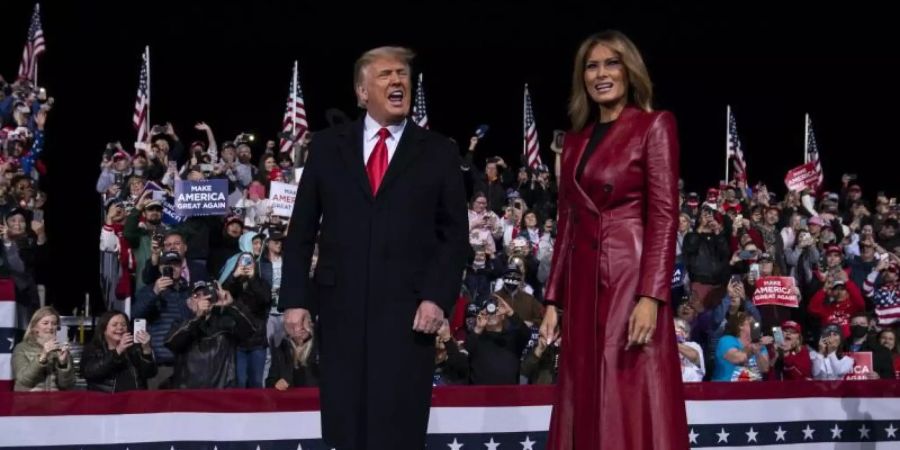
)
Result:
{"points": [[603, 88], [395, 97]]}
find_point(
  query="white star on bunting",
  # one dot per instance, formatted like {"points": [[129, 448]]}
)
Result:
{"points": [[492, 445], [891, 432], [751, 435], [836, 432], [528, 444], [723, 436], [808, 432], [693, 436], [454, 445], [779, 434], [864, 432]]}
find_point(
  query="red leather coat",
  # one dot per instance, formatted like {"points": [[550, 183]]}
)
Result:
{"points": [[616, 243]]}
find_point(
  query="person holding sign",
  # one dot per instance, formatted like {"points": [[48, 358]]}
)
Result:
{"points": [[385, 200], [620, 376]]}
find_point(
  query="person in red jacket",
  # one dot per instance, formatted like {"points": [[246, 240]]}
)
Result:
{"points": [[836, 303], [796, 363]]}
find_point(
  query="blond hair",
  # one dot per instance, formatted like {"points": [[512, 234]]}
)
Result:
{"points": [[36, 317], [362, 63], [640, 90]]}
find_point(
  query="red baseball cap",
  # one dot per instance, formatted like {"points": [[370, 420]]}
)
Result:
{"points": [[791, 325]]}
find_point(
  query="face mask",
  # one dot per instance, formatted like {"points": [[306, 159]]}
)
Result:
{"points": [[510, 284], [858, 331]]}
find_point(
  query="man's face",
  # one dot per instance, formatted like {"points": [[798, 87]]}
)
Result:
{"points": [[859, 321], [244, 154], [153, 215], [854, 195], [174, 243], [24, 189], [771, 217], [196, 176], [385, 90], [274, 246]]}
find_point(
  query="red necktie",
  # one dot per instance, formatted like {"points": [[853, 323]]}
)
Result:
{"points": [[378, 160]]}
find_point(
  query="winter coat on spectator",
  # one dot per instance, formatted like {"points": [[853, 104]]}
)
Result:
{"points": [[254, 297], [205, 348], [296, 375], [107, 371], [495, 190], [524, 304], [31, 375], [162, 312], [543, 369], [479, 281], [706, 257], [453, 370], [494, 357]]}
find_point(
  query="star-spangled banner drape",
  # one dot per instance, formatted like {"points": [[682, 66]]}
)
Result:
{"points": [[777, 415]]}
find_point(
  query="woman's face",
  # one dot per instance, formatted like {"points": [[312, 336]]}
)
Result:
{"points": [[792, 339], [605, 76], [46, 328], [257, 247], [766, 268], [684, 224], [530, 221], [269, 164], [479, 205], [116, 327], [745, 329]]}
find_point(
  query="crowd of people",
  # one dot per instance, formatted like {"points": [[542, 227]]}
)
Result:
{"points": [[193, 302]]}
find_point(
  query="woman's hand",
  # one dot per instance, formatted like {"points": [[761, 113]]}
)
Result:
{"points": [[642, 323], [548, 325]]}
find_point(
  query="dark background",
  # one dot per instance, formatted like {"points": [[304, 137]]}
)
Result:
{"points": [[229, 65]]}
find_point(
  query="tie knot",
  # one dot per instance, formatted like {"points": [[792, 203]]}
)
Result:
{"points": [[384, 133]]}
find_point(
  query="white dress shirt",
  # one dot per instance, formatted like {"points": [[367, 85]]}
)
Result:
{"points": [[370, 137]]}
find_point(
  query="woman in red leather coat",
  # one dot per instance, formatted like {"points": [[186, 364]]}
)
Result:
{"points": [[620, 378]]}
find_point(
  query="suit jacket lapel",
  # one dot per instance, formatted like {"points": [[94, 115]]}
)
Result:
{"points": [[408, 149], [352, 154]]}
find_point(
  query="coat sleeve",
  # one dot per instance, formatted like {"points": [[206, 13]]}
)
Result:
{"points": [[661, 209], [27, 372], [298, 247], [442, 277]]}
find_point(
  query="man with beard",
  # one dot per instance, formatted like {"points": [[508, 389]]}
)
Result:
{"points": [[143, 223]]}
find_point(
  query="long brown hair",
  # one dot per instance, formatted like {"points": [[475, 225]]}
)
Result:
{"points": [[640, 89]]}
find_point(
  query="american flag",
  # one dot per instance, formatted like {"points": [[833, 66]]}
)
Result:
{"points": [[812, 151], [733, 146], [294, 123], [141, 119], [420, 114], [34, 46], [530, 147]]}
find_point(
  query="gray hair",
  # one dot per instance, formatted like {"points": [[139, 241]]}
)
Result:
{"points": [[362, 63]]}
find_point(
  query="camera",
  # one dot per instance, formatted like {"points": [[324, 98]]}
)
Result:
{"points": [[168, 272], [490, 306], [158, 129], [246, 260]]}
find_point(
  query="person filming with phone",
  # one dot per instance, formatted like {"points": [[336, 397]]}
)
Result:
{"points": [[116, 360], [40, 362], [496, 344], [205, 346], [254, 296], [163, 303]]}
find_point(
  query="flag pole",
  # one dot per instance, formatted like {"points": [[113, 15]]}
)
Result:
{"points": [[806, 139], [294, 103], [524, 121], [727, 132], [147, 56]]}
